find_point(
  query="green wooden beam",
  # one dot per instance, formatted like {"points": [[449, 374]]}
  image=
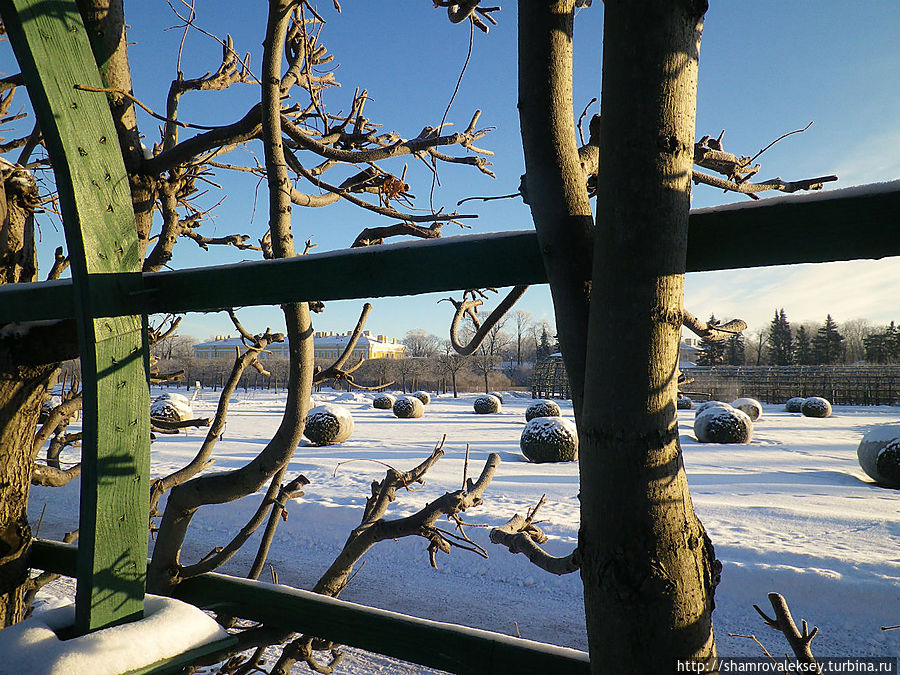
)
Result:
{"points": [[457, 649], [54, 53], [832, 226], [450, 647]]}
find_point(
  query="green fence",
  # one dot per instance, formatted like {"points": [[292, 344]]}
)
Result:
{"points": [[109, 299]]}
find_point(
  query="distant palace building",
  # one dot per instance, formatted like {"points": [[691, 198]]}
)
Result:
{"points": [[327, 345]]}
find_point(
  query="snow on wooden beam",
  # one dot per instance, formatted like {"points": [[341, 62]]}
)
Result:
{"points": [[851, 224]]}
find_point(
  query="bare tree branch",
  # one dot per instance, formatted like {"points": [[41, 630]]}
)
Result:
{"points": [[784, 622]]}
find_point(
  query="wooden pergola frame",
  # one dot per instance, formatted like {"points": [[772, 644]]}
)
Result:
{"points": [[110, 298]]}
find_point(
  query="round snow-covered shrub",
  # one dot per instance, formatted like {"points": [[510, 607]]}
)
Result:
{"points": [[408, 407], [171, 407], [550, 439], [383, 401], [541, 408], [750, 406], [706, 405], [423, 396], [723, 425], [816, 406], [485, 405], [684, 403], [328, 424], [879, 454], [498, 395], [794, 404]]}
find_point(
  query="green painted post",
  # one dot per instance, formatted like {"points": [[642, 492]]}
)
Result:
{"points": [[52, 47]]}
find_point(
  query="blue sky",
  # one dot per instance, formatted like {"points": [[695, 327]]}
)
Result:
{"points": [[766, 67]]}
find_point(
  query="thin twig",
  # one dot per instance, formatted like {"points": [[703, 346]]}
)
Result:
{"points": [[783, 136]]}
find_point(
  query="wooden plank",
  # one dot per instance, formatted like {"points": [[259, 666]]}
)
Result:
{"points": [[449, 647], [54, 53], [844, 226]]}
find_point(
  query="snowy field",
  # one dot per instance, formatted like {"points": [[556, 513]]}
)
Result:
{"points": [[790, 512]]}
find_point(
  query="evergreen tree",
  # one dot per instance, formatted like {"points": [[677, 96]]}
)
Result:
{"points": [[711, 353], [883, 346], [734, 350], [803, 351], [828, 344], [780, 340], [545, 348]]}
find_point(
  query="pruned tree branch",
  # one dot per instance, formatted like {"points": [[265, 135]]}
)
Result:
{"points": [[712, 331], [468, 307], [784, 622], [520, 535]]}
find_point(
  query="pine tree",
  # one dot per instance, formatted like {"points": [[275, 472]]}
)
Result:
{"points": [[544, 348], [780, 340], [828, 344], [883, 346], [734, 350], [803, 351], [711, 353]]}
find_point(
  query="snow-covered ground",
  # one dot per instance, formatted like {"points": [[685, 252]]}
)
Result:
{"points": [[790, 512]]}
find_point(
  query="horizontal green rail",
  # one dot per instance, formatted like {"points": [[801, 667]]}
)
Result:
{"points": [[450, 647], [851, 224]]}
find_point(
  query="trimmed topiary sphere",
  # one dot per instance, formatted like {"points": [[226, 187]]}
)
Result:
{"points": [[498, 395], [541, 408], [328, 424], [750, 406], [383, 401], [684, 403], [423, 396], [171, 408], [550, 439], [816, 406], [723, 425], [879, 454], [706, 405], [408, 407], [485, 405], [794, 404]]}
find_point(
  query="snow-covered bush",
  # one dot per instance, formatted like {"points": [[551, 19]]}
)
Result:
{"points": [[684, 403], [706, 405], [879, 454], [328, 424], [498, 394], [718, 424], [542, 408], [383, 401], [550, 439], [794, 404], [485, 405], [816, 406], [408, 407], [171, 407], [423, 396], [750, 406]]}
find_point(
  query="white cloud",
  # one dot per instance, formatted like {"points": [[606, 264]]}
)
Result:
{"points": [[846, 290]]}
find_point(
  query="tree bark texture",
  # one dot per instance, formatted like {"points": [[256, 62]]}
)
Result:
{"points": [[648, 568], [555, 188], [22, 389]]}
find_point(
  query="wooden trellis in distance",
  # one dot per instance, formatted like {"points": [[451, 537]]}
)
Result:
{"points": [[110, 298]]}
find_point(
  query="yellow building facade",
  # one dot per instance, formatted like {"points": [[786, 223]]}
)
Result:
{"points": [[327, 345]]}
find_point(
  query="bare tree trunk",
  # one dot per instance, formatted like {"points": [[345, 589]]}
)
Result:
{"points": [[649, 570], [22, 390], [555, 187]]}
